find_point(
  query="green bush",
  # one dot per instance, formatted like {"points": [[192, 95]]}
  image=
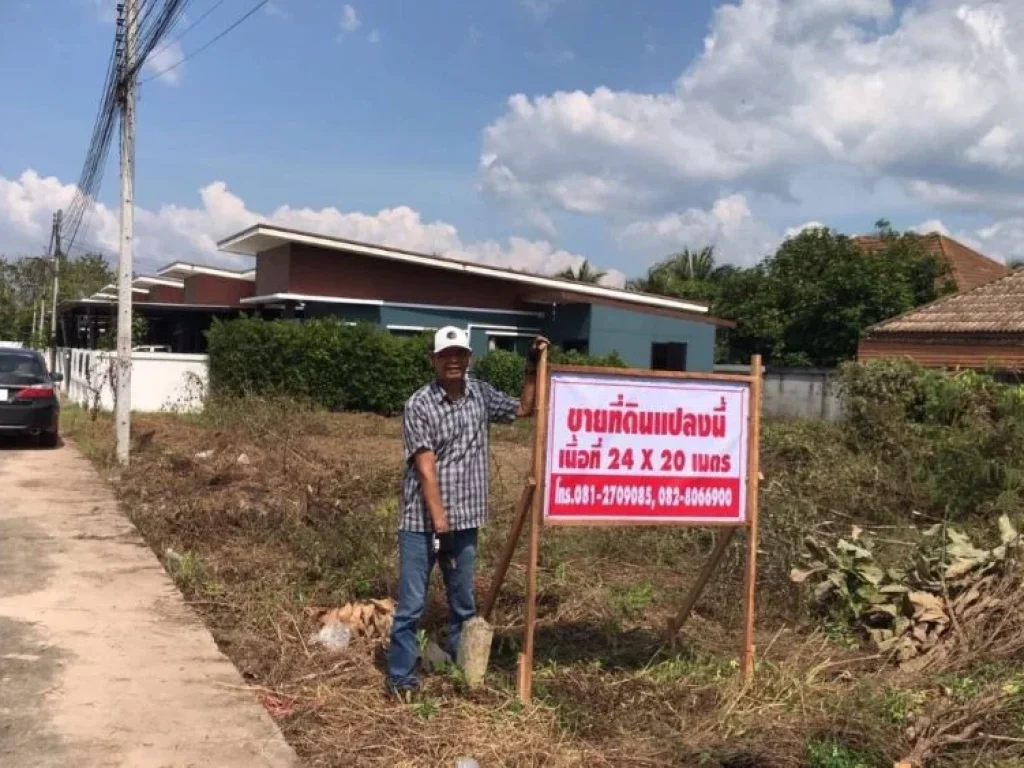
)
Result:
{"points": [[878, 392], [324, 362], [504, 370], [959, 437]]}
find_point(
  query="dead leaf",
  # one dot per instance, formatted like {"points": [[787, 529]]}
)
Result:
{"points": [[927, 607]]}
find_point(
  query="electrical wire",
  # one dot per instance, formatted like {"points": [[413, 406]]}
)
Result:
{"points": [[190, 27], [150, 22], [206, 45]]}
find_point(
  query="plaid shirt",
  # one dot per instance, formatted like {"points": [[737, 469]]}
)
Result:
{"points": [[457, 432]]}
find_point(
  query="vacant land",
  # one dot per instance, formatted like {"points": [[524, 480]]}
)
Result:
{"points": [[263, 511]]}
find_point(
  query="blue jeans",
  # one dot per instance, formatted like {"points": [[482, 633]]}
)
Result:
{"points": [[416, 561]]}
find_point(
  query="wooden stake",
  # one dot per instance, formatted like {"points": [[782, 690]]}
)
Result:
{"points": [[540, 435], [753, 470], [522, 508], [698, 588]]}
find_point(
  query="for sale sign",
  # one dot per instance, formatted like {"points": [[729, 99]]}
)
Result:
{"points": [[631, 448]]}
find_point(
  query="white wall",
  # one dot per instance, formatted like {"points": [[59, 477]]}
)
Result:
{"points": [[160, 382]]}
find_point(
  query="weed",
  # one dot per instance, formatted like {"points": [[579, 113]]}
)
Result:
{"points": [[634, 600], [425, 709], [828, 753]]}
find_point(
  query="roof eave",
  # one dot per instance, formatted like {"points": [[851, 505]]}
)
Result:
{"points": [[261, 237]]}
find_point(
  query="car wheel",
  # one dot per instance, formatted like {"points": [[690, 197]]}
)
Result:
{"points": [[49, 439]]}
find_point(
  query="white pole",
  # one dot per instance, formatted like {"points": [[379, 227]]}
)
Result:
{"points": [[122, 397]]}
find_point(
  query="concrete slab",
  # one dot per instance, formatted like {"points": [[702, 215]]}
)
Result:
{"points": [[101, 661]]}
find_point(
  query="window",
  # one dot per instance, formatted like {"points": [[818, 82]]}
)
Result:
{"points": [[506, 343], [21, 367], [406, 331], [668, 356]]}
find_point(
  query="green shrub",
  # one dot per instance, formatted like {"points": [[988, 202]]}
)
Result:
{"points": [[501, 369], [877, 393], [957, 436], [504, 370], [324, 362], [344, 367]]}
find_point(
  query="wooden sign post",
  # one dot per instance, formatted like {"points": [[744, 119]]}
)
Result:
{"points": [[627, 447]]}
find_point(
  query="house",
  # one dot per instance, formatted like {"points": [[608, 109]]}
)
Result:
{"points": [[178, 305], [967, 267], [307, 275], [982, 328]]}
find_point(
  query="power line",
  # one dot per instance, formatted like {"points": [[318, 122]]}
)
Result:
{"points": [[190, 27], [202, 48], [152, 19]]}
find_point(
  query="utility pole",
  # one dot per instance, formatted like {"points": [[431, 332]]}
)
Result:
{"points": [[127, 21], [57, 221]]}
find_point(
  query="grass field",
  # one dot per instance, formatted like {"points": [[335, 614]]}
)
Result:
{"points": [[263, 511]]}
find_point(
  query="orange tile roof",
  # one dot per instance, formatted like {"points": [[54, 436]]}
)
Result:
{"points": [[996, 307], [968, 267]]}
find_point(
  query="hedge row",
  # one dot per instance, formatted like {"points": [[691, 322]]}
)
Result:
{"points": [[505, 369], [342, 367]]}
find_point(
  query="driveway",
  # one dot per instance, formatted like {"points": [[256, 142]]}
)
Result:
{"points": [[101, 662]]}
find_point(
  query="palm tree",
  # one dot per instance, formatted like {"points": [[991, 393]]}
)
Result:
{"points": [[584, 273], [681, 274]]}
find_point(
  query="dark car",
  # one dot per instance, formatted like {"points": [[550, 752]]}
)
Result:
{"points": [[29, 404]]}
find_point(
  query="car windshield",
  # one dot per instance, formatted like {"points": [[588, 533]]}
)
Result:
{"points": [[20, 368]]}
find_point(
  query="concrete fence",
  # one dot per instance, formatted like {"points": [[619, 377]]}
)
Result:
{"points": [[160, 382], [796, 393]]}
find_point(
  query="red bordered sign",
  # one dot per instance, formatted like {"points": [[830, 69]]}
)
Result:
{"points": [[629, 448]]}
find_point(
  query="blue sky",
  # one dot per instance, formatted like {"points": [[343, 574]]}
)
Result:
{"points": [[631, 137]]}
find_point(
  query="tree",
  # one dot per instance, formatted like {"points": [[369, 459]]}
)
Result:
{"points": [[26, 281], [691, 274], [809, 303], [584, 273]]}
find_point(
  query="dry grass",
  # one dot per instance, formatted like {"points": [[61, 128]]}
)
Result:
{"points": [[307, 518]]}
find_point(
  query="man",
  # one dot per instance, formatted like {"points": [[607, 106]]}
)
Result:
{"points": [[444, 492]]}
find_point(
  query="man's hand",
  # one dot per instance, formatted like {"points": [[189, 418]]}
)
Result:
{"points": [[539, 345], [441, 525], [445, 544]]}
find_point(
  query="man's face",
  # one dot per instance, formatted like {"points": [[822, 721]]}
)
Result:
{"points": [[450, 364]]}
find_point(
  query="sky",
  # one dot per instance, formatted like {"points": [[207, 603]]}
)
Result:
{"points": [[529, 133]]}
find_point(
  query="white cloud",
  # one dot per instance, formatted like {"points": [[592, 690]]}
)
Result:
{"points": [[161, 61], [174, 232], [728, 225], [103, 10], [794, 231], [931, 225], [932, 96], [540, 9], [276, 10], [349, 21], [374, 36]]}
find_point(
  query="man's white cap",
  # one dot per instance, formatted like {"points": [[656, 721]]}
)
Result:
{"points": [[450, 336]]}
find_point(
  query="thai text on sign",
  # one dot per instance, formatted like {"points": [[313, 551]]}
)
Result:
{"points": [[638, 449]]}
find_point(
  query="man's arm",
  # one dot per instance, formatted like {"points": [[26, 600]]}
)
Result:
{"points": [[528, 401], [426, 468]]}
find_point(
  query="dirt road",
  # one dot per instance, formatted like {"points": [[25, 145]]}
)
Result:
{"points": [[101, 662]]}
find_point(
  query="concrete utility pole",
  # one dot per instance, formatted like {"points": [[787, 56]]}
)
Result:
{"points": [[122, 396], [57, 221]]}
